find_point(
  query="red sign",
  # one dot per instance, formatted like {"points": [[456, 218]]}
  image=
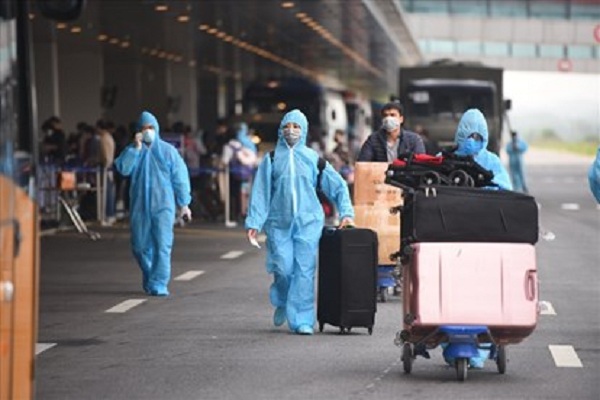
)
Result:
{"points": [[565, 65], [597, 33]]}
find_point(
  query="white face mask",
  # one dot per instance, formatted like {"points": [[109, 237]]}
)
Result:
{"points": [[292, 135], [148, 135], [390, 123]]}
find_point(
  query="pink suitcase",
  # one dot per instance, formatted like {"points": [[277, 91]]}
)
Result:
{"points": [[491, 284]]}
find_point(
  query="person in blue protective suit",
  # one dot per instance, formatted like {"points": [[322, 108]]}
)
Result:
{"points": [[243, 136], [284, 204], [472, 138], [515, 150], [159, 182], [594, 176]]}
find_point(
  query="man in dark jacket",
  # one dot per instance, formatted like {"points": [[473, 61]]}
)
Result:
{"points": [[391, 139]]}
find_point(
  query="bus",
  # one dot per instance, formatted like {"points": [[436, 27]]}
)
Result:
{"points": [[266, 101], [19, 226]]}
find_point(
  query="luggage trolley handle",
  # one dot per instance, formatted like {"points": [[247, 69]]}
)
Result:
{"points": [[531, 285]]}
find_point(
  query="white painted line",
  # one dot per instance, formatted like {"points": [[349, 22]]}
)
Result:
{"points": [[546, 308], [565, 356], [125, 306], [41, 347], [188, 276], [570, 206], [232, 255]]}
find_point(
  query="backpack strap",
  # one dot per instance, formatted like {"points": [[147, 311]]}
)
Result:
{"points": [[321, 164]]}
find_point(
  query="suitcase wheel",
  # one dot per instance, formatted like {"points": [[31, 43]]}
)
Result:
{"points": [[345, 330], [321, 326], [370, 330]]}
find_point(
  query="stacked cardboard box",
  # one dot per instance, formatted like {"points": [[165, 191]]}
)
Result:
{"points": [[372, 202]]}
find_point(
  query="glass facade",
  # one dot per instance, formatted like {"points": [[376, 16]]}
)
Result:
{"points": [[504, 49], [548, 9]]}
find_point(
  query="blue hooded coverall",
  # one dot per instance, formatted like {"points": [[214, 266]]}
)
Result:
{"points": [[473, 121], [159, 182], [594, 176], [285, 205], [515, 150]]}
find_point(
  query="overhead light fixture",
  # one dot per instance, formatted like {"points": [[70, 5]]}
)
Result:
{"points": [[102, 37], [76, 29], [183, 18], [125, 44], [61, 25], [287, 4], [114, 41], [203, 27], [161, 7], [31, 15]]}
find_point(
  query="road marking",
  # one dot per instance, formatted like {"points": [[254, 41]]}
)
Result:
{"points": [[570, 206], [188, 276], [41, 347], [232, 254], [125, 306], [546, 308], [565, 356]]}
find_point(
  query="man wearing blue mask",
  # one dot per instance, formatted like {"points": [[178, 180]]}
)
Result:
{"points": [[159, 182], [285, 205], [391, 140], [472, 138]]}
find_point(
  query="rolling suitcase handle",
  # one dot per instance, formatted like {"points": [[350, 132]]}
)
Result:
{"points": [[530, 285]]}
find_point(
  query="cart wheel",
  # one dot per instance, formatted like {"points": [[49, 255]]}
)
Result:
{"points": [[370, 330], [383, 294], [459, 178], [501, 359], [470, 182], [430, 178], [407, 357], [343, 330], [461, 369], [321, 326]]}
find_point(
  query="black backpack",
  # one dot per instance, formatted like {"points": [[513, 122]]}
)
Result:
{"points": [[321, 163]]}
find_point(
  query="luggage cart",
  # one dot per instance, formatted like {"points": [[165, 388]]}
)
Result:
{"points": [[68, 199]]}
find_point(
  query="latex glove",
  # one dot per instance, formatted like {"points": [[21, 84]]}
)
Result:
{"points": [[137, 140], [186, 214], [346, 221], [251, 234]]}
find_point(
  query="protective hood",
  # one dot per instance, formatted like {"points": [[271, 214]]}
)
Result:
{"points": [[147, 118], [244, 139], [295, 116], [472, 121]]}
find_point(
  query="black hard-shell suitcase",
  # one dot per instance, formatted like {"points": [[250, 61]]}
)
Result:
{"points": [[461, 214], [347, 295]]}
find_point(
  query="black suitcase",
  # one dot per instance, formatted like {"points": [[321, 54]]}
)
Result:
{"points": [[347, 295], [459, 214]]}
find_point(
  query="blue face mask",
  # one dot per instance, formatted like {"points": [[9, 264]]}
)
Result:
{"points": [[470, 147]]}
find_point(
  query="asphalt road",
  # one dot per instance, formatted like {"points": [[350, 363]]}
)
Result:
{"points": [[213, 337]]}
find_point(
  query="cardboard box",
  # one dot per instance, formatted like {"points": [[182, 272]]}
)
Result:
{"points": [[370, 187], [387, 226]]}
